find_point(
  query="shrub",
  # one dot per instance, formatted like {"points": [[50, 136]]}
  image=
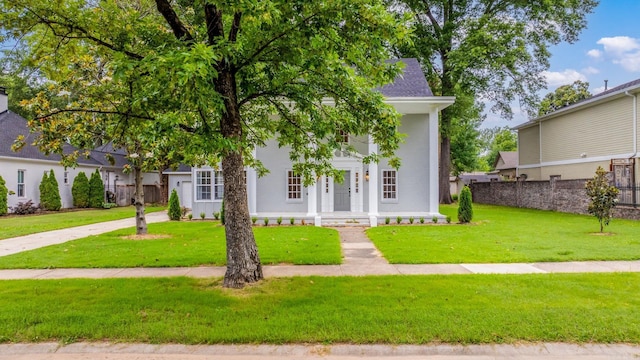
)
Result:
{"points": [[434, 219], [4, 194], [50, 193], [603, 197], [96, 190], [253, 220], [387, 220], [279, 220], [266, 221], [55, 201], [448, 219], [80, 191], [216, 215], [24, 208], [190, 216], [202, 215], [421, 220], [108, 205], [411, 219], [465, 207], [175, 212], [292, 221], [454, 197], [399, 219], [222, 212]]}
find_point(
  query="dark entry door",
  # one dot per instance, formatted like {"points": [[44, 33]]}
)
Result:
{"points": [[342, 194]]}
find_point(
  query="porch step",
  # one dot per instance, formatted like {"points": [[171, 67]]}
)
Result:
{"points": [[345, 222]]}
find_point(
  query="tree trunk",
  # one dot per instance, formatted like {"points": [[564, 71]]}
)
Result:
{"points": [[141, 221], [243, 261], [445, 170]]}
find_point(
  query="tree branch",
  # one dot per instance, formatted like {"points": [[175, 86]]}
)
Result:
{"points": [[235, 27], [179, 30], [215, 27], [91, 111]]}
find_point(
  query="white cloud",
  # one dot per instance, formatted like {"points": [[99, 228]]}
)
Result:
{"points": [[623, 51], [597, 90], [590, 70], [619, 44], [594, 53], [555, 78]]}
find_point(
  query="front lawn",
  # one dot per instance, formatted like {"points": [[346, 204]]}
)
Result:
{"points": [[185, 243], [580, 308], [19, 225], [506, 235]]}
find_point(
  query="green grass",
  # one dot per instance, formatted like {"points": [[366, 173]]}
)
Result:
{"points": [[578, 308], [19, 225], [185, 244], [506, 235]]}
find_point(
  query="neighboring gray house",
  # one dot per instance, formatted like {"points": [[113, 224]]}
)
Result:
{"points": [[23, 170], [369, 193]]}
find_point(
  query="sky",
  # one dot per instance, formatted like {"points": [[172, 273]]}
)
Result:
{"points": [[608, 49]]}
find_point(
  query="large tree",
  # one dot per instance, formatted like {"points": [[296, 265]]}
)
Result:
{"points": [[227, 76], [495, 49], [495, 140], [564, 95]]}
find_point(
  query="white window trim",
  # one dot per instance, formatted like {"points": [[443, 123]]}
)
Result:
{"points": [[196, 185], [23, 183], [382, 198], [214, 184], [286, 193]]}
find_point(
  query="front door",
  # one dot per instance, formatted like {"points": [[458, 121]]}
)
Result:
{"points": [[342, 194], [187, 194]]}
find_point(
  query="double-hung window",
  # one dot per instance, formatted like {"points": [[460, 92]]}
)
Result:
{"points": [[389, 185], [218, 186], [294, 186], [20, 190], [203, 185]]}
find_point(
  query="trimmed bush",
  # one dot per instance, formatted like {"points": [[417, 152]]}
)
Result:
{"points": [[4, 192], [80, 190], [174, 206], [54, 200], [604, 197], [96, 190], [465, 207]]}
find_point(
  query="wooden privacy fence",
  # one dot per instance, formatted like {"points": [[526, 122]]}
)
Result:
{"points": [[125, 194]]}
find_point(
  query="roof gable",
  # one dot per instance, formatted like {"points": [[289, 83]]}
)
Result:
{"points": [[411, 83]]}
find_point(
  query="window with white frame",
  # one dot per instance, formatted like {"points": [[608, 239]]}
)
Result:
{"points": [[218, 186], [294, 186], [203, 185], [389, 185], [20, 190]]}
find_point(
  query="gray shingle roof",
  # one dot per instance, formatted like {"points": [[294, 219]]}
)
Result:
{"points": [[12, 125], [510, 159], [411, 83]]}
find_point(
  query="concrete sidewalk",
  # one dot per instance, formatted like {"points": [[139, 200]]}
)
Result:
{"points": [[119, 351], [38, 240]]}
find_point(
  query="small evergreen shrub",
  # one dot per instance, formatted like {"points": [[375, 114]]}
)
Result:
{"points": [[55, 202], [279, 220], [434, 219], [292, 221], [448, 219], [421, 220], [4, 195], [399, 220], [465, 207], [174, 206], [96, 190], [411, 219], [604, 197], [108, 205], [387, 220], [216, 215], [80, 191], [190, 216], [253, 220], [266, 221], [202, 215], [454, 197]]}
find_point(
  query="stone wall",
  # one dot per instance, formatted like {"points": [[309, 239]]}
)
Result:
{"points": [[557, 195]]}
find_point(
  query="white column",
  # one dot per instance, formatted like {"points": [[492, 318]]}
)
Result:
{"points": [[312, 199], [434, 177], [373, 185], [252, 188]]}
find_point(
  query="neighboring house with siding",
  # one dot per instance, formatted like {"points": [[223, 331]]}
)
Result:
{"points": [[573, 141], [23, 170], [369, 193], [506, 165]]}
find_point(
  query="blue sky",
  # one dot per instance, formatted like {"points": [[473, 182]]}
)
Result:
{"points": [[609, 48]]}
